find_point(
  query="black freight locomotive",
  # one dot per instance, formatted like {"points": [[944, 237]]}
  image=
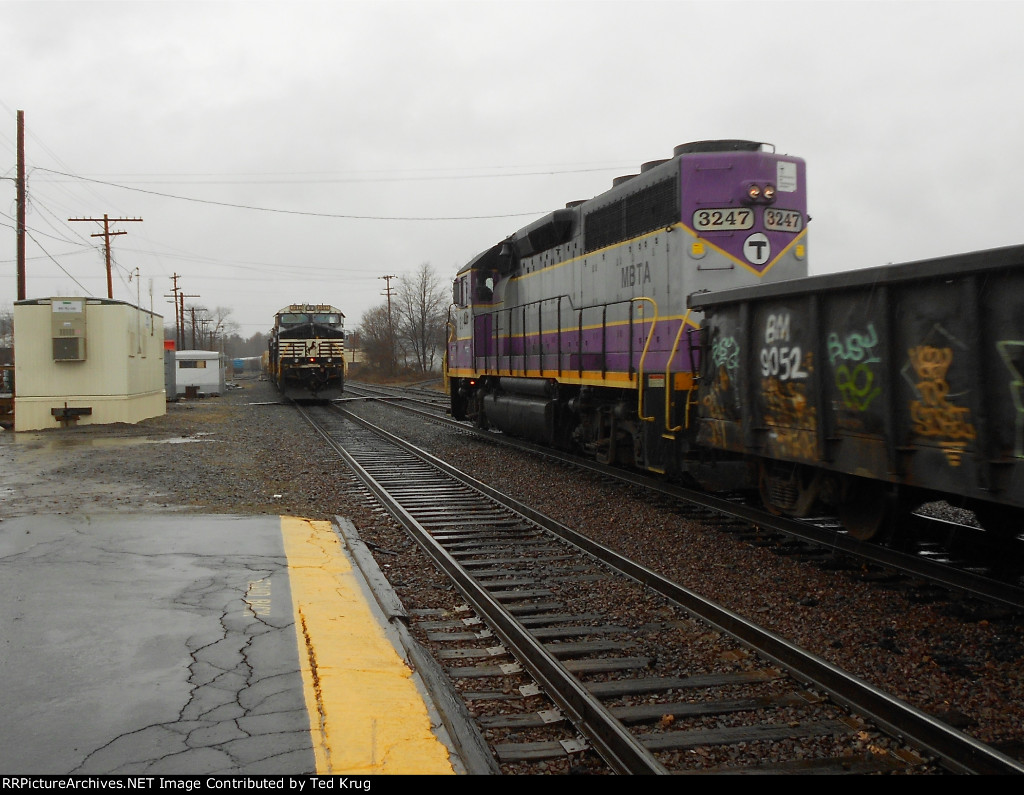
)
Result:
{"points": [[669, 324], [306, 356]]}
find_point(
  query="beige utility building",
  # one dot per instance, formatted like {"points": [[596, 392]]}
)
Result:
{"points": [[86, 361]]}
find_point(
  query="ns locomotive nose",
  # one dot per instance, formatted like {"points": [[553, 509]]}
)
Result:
{"points": [[306, 354]]}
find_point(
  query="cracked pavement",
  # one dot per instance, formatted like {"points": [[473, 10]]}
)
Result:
{"points": [[96, 677]]}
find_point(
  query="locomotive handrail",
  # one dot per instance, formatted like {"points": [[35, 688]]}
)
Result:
{"points": [[668, 376], [579, 343], [558, 337], [450, 326], [643, 356], [604, 341]]}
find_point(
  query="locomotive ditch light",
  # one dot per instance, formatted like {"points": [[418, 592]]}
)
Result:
{"points": [[755, 193]]}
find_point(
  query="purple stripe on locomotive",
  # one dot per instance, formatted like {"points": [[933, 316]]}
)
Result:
{"points": [[588, 280], [609, 350]]}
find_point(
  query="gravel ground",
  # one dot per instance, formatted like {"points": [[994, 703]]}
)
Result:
{"points": [[963, 666], [243, 453]]}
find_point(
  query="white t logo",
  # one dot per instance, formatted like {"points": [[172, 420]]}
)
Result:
{"points": [[757, 249]]}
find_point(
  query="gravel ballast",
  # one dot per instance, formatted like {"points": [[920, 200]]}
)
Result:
{"points": [[244, 453]]}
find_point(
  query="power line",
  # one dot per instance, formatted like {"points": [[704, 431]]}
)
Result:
{"points": [[106, 234], [84, 291], [319, 178], [294, 212]]}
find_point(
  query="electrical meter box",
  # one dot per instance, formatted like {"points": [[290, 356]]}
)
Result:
{"points": [[67, 318]]}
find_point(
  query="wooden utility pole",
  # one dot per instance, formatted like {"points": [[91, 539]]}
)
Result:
{"points": [[391, 325], [21, 205], [106, 234], [174, 300], [181, 301], [178, 297]]}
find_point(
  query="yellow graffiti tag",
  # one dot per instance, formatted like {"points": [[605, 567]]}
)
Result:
{"points": [[934, 415]]}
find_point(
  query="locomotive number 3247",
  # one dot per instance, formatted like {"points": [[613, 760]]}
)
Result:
{"points": [[723, 219]]}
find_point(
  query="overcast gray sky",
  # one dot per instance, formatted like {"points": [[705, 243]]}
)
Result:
{"points": [[279, 152]]}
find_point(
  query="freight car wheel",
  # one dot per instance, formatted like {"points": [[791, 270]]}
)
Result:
{"points": [[867, 511], [766, 492], [788, 489]]}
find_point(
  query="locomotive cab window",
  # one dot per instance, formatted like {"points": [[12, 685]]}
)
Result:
{"points": [[485, 288], [460, 292]]}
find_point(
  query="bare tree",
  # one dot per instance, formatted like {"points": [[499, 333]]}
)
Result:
{"points": [[205, 330], [422, 310], [220, 327], [6, 348], [417, 321], [375, 336], [6, 327]]}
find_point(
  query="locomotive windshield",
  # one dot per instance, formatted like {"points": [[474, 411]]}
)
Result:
{"points": [[295, 318]]}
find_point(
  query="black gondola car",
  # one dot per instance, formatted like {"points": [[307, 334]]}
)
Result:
{"points": [[874, 391]]}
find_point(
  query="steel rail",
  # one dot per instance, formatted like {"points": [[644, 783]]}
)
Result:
{"points": [[966, 582], [606, 734], [958, 751]]}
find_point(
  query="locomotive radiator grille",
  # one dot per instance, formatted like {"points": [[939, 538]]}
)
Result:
{"points": [[305, 348], [649, 208]]}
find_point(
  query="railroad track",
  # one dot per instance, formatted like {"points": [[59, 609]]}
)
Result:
{"points": [[946, 557], [657, 681], [431, 400]]}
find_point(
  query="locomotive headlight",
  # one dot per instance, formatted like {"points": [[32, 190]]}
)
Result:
{"points": [[758, 193]]}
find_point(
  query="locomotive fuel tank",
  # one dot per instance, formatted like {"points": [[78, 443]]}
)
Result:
{"points": [[523, 407], [874, 390], [523, 416]]}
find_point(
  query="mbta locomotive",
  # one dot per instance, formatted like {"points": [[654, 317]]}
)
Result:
{"points": [[306, 355], [669, 324], [575, 332]]}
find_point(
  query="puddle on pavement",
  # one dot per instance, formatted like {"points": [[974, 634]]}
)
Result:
{"points": [[47, 442]]}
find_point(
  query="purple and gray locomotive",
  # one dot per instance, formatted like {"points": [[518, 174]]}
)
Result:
{"points": [[307, 352], [575, 331]]}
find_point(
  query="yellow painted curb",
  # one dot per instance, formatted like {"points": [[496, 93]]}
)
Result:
{"points": [[366, 714]]}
